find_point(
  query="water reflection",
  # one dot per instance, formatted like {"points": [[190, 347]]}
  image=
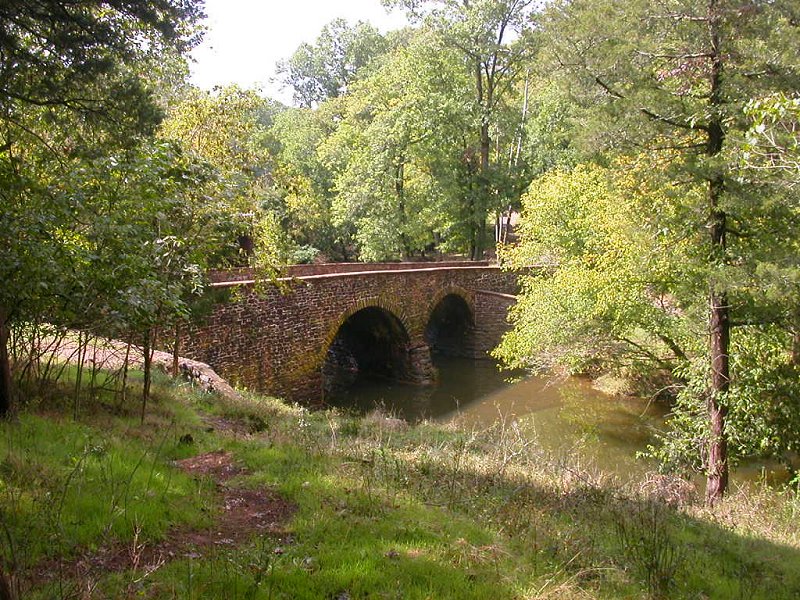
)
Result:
{"points": [[564, 415], [567, 416], [462, 382]]}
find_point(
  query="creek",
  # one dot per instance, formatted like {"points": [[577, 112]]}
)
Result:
{"points": [[566, 416]]}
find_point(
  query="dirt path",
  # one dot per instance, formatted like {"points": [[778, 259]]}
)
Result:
{"points": [[111, 354], [245, 513]]}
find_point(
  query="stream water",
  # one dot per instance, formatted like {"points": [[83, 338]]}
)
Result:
{"points": [[567, 416]]}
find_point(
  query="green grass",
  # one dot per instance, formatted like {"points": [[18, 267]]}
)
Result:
{"points": [[69, 486], [383, 511]]}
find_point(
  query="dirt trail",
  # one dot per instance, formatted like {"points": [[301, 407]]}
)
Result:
{"points": [[245, 513], [111, 354]]}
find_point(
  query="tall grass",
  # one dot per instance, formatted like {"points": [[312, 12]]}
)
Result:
{"points": [[384, 510]]}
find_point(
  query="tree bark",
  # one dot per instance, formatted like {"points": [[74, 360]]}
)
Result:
{"points": [[399, 190], [147, 350], [478, 214], [176, 351], [719, 309], [794, 329], [717, 482], [6, 383]]}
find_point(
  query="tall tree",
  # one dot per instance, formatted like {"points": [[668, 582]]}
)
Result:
{"points": [[305, 183], [228, 128], [672, 78], [397, 148], [325, 69], [493, 36]]}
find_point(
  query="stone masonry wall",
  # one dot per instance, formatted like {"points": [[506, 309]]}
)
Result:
{"points": [[246, 273], [491, 320], [276, 341]]}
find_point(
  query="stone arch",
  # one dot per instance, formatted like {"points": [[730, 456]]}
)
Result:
{"points": [[386, 304], [450, 330], [452, 290], [371, 341]]}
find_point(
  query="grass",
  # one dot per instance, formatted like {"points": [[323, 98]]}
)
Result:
{"points": [[384, 510]]}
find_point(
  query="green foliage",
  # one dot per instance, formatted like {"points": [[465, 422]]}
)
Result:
{"points": [[603, 289], [61, 60], [143, 252], [772, 149], [550, 130], [385, 152], [493, 39], [341, 55], [305, 183], [275, 249], [229, 130], [73, 91], [671, 88], [763, 411]]}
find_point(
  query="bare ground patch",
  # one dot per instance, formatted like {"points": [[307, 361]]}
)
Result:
{"points": [[244, 514]]}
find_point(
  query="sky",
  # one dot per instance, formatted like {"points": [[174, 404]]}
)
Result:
{"points": [[246, 38]]}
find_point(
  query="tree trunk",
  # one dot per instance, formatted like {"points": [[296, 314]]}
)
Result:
{"points": [[124, 391], [82, 345], [478, 212], [399, 190], [176, 351], [717, 482], [508, 226], [6, 383], [147, 350], [719, 309]]}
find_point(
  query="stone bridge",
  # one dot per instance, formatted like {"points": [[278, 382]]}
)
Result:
{"points": [[324, 324]]}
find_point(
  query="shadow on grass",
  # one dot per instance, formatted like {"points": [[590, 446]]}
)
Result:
{"points": [[426, 513]]}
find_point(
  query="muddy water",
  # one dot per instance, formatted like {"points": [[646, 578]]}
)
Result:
{"points": [[566, 417]]}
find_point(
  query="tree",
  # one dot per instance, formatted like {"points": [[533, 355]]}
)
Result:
{"points": [[326, 69], [493, 38], [671, 80], [397, 148], [229, 129], [69, 86], [610, 295], [305, 183], [140, 245]]}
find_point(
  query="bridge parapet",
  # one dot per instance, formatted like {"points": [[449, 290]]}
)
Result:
{"points": [[248, 274]]}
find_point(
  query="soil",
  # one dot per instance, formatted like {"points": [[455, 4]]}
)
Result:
{"points": [[235, 427], [111, 354], [245, 512]]}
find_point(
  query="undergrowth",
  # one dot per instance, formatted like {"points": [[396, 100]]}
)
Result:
{"points": [[384, 510]]}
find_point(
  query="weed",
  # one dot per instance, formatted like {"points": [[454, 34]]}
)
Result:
{"points": [[644, 532]]}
